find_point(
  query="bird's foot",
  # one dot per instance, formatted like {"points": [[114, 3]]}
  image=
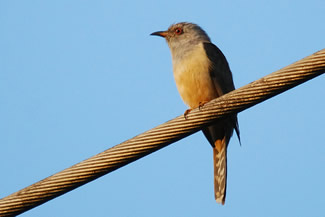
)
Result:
{"points": [[201, 104], [186, 113]]}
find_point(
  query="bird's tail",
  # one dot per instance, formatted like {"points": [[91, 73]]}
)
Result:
{"points": [[220, 170]]}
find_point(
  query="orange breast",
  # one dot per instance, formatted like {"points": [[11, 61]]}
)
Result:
{"points": [[193, 79]]}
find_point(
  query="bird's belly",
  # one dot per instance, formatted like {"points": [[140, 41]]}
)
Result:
{"points": [[194, 84]]}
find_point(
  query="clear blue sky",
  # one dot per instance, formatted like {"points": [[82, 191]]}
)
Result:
{"points": [[78, 77]]}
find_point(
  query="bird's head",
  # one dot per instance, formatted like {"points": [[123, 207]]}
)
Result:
{"points": [[182, 35]]}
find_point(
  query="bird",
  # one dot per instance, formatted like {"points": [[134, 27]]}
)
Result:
{"points": [[202, 73]]}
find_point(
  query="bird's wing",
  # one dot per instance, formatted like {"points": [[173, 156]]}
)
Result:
{"points": [[220, 71], [221, 76]]}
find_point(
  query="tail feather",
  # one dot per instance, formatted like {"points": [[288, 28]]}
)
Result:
{"points": [[220, 170]]}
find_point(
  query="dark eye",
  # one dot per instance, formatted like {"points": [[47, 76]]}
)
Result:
{"points": [[178, 31]]}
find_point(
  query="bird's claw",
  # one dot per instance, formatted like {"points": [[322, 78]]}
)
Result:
{"points": [[186, 113], [201, 104]]}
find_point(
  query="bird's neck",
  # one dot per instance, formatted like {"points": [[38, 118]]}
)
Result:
{"points": [[183, 51]]}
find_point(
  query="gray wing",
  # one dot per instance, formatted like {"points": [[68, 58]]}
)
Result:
{"points": [[222, 79], [220, 71]]}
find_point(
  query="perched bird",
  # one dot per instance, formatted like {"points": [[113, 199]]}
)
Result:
{"points": [[202, 73]]}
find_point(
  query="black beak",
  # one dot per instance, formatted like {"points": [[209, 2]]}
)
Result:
{"points": [[160, 33]]}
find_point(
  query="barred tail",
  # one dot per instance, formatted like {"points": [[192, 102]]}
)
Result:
{"points": [[220, 170]]}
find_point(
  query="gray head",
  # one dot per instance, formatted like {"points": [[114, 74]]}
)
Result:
{"points": [[183, 36]]}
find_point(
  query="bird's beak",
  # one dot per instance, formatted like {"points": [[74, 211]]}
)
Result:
{"points": [[160, 33]]}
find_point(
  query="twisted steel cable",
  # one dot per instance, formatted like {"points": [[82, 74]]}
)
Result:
{"points": [[163, 135]]}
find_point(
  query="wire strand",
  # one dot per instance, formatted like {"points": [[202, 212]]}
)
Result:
{"points": [[163, 135]]}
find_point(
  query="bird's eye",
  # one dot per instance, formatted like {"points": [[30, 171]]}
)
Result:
{"points": [[178, 31]]}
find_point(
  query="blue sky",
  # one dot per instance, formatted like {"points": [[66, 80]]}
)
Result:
{"points": [[78, 77]]}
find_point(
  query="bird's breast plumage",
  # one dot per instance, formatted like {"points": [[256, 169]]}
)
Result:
{"points": [[192, 77]]}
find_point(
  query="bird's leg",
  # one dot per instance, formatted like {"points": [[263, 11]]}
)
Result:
{"points": [[186, 113], [201, 104]]}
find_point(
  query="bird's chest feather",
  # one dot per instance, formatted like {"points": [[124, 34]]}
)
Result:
{"points": [[193, 80]]}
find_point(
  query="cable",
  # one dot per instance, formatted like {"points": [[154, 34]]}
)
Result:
{"points": [[163, 135]]}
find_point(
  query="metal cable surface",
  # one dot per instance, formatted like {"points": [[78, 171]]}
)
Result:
{"points": [[163, 135]]}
